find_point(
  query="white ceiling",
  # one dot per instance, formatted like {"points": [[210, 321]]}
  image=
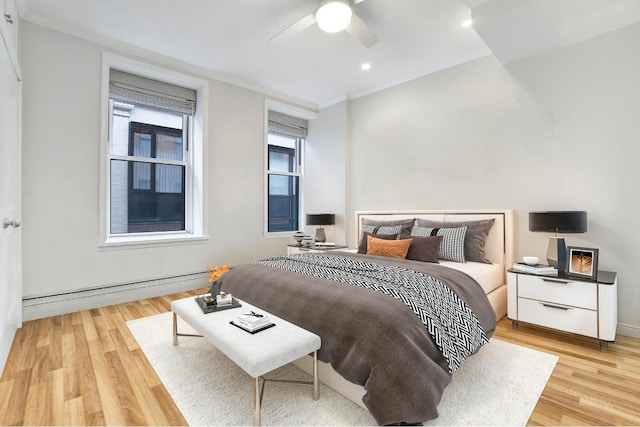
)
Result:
{"points": [[230, 38]]}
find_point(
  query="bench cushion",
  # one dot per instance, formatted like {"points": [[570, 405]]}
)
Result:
{"points": [[257, 354]]}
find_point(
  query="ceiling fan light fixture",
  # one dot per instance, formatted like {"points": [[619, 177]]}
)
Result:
{"points": [[334, 16]]}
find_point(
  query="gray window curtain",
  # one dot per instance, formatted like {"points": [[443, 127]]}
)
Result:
{"points": [[286, 125], [154, 94]]}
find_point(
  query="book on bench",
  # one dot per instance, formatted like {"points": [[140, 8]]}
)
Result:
{"points": [[253, 322]]}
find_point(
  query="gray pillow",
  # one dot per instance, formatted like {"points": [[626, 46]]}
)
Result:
{"points": [[475, 238], [406, 224], [382, 229], [362, 247], [452, 246], [424, 249]]}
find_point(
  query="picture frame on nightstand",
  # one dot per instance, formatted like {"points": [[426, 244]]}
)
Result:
{"points": [[582, 262]]}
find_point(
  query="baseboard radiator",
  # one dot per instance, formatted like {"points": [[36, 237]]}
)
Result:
{"points": [[38, 307]]}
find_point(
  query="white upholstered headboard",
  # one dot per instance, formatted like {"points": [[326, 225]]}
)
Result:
{"points": [[499, 245]]}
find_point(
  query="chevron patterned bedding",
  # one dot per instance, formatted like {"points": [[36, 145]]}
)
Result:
{"points": [[397, 327], [454, 328]]}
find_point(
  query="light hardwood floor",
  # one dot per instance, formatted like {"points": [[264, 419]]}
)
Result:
{"points": [[86, 369]]}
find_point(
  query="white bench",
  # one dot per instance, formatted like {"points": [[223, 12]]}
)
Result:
{"points": [[257, 354]]}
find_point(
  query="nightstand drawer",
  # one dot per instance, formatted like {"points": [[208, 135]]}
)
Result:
{"points": [[556, 316], [559, 291]]}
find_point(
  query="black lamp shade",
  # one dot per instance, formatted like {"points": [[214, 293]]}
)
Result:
{"points": [[321, 219], [558, 221]]}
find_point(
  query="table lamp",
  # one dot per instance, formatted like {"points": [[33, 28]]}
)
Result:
{"points": [[320, 220], [558, 222]]}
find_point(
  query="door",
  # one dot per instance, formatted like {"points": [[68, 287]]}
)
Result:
{"points": [[10, 204]]}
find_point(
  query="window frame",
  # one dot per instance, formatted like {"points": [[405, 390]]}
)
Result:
{"points": [[297, 172], [195, 155], [280, 107]]}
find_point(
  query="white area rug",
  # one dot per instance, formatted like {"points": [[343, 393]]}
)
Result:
{"points": [[500, 385]]}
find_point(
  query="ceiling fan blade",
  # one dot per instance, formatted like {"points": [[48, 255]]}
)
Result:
{"points": [[296, 27], [358, 29]]}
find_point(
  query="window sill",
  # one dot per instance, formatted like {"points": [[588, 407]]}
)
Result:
{"points": [[151, 241], [278, 234]]}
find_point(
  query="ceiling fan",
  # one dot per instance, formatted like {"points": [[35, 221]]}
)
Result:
{"points": [[333, 16]]}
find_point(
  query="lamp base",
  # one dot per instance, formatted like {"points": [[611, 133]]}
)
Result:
{"points": [[557, 254], [320, 236]]}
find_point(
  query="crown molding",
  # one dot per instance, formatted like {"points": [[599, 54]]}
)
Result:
{"points": [[139, 53]]}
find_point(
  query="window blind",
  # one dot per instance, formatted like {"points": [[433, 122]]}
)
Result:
{"points": [[283, 124], [149, 93]]}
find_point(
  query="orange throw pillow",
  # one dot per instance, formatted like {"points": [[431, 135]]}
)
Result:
{"points": [[388, 248]]}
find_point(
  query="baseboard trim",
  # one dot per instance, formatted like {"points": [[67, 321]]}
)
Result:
{"points": [[628, 330], [85, 299]]}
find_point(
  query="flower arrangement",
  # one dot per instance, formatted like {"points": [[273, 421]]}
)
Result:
{"points": [[217, 272]]}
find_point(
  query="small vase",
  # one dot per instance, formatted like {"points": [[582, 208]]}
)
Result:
{"points": [[215, 288], [298, 236]]}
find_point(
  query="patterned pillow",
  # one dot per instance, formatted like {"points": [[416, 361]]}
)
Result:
{"points": [[452, 246], [406, 224], [474, 239], [388, 248], [382, 229]]}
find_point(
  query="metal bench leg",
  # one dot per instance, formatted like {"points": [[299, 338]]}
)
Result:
{"points": [[175, 329], [256, 401], [316, 386]]}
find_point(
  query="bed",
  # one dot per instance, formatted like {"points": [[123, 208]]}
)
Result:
{"points": [[390, 355], [498, 245]]}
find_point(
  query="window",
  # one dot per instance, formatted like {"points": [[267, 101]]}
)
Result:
{"points": [[283, 183], [155, 190], [153, 160], [285, 140]]}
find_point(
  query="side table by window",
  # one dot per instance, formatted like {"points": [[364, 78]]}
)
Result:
{"points": [[294, 249]]}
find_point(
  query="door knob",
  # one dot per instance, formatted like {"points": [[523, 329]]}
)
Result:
{"points": [[6, 223]]}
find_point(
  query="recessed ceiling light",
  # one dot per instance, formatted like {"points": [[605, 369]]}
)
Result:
{"points": [[366, 66], [467, 23]]}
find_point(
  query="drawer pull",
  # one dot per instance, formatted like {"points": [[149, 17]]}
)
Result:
{"points": [[555, 306], [555, 281]]}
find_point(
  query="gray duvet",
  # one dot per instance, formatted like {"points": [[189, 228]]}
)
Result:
{"points": [[371, 339]]}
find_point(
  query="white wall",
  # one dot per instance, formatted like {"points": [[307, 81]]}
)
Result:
{"points": [[559, 131], [61, 110], [325, 169], [554, 132]]}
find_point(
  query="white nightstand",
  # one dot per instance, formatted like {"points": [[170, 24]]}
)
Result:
{"points": [[580, 306], [293, 249]]}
